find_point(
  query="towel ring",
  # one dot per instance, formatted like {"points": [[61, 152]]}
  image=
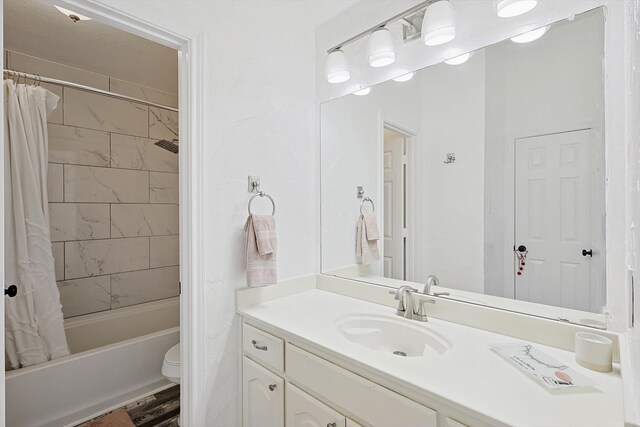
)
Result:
{"points": [[366, 199], [262, 194]]}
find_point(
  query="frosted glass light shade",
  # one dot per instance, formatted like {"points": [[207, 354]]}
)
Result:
{"points": [[380, 50], [439, 24], [460, 59], [510, 8], [71, 14], [405, 77], [530, 36], [363, 92], [336, 67]]}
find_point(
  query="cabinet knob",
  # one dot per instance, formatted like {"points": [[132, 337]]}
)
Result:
{"points": [[332, 425], [258, 346], [11, 291], [272, 387]]}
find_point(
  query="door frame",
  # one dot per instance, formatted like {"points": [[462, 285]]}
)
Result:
{"points": [[411, 139], [191, 76], [597, 134]]}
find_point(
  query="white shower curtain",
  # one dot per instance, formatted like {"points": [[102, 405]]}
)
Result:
{"points": [[34, 329]]}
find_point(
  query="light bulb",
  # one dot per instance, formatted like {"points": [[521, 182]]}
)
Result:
{"points": [[460, 59], [405, 77], [511, 8], [336, 67], [380, 50], [363, 92], [530, 35], [439, 23]]}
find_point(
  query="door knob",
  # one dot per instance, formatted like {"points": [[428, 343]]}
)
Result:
{"points": [[587, 252], [521, 248], [11, 291]]}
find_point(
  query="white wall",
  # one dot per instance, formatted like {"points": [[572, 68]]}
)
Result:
{"points": [[260, 111], [351, 129], [554, 84], [451, 196], [480, 27]]}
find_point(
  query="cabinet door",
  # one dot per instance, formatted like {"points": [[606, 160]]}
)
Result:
{"points": [[305, 411], [262, 396]]}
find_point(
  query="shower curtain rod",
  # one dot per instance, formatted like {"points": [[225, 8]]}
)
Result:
{"points": [[85, 88]]}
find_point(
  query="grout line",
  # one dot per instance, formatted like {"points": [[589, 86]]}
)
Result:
{"points": [[115, 168]]}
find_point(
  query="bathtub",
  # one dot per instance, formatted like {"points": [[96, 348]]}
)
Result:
{"points": [[116, 356]]}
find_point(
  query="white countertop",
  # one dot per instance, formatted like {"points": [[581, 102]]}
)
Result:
{"points": [[468, 374]]}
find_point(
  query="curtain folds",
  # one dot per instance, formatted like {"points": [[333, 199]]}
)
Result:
{"points": [[34, 329]]}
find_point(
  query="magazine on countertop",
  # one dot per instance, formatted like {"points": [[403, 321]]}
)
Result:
{"points": [[544, 368]]}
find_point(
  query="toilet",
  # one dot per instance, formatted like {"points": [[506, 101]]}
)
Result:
{"points": [[171, 364], [171, 368]]}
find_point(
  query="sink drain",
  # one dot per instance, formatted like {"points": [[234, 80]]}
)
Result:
{"points": [[400, 353]]}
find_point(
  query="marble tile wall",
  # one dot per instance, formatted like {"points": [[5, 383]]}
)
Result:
{"points": [[113, 194]]}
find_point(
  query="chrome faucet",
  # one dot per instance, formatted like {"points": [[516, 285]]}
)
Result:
{"points": [[406, 306], [433, 281]]}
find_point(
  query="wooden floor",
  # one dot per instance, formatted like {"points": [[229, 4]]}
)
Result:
{"points": [[158, 410]]}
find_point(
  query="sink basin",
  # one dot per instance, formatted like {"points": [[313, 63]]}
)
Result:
{"points": [[394, 336]]}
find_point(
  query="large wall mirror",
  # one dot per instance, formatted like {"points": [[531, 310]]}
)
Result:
{"points": [[487, 173]]}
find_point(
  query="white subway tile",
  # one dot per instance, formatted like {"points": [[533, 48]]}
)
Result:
{"points": [[100, 112], [84, 296], [163, 124], [98, 257], [143, 286], [131, 152], [163, 187], [55, 183], [58, 258], [79, 221], [165, 251], [95, 184], [30, 64], [142, 92], [78, 146], [144, 220]]}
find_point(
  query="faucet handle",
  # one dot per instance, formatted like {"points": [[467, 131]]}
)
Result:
{"points": [[421, 314]]}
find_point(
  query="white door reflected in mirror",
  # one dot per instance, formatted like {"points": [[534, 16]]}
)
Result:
{"points": [[526, 124]]}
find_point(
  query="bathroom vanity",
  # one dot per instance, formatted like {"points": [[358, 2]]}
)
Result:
{"points": [[307, 360]]}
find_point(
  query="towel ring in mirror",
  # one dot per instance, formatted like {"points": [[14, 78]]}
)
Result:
{"points": [[262, 194], [367, 199]]}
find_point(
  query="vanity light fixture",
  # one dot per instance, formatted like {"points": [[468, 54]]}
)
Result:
{"points": [[405, 77], [380, 50], [530, 35], [460, 59], [337, 69], [439, 23], [511, 8], [363, 92], [75, 17]]}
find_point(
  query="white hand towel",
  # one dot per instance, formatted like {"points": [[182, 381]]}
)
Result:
{"points": [[261, 249], [371, 227], [367, 250]]}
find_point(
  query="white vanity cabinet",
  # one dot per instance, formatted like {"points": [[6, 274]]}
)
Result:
{"points": [[274, 371], [303, 410], [262, 396]]}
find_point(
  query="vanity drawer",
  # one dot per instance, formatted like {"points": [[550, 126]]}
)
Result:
{"points": [[263, 347], [372, 403]]}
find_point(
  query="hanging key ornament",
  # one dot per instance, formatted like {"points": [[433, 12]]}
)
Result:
{"points": [[522, 258]]}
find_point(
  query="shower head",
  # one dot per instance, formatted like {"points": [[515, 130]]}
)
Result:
{"points": [[168, 145]]}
